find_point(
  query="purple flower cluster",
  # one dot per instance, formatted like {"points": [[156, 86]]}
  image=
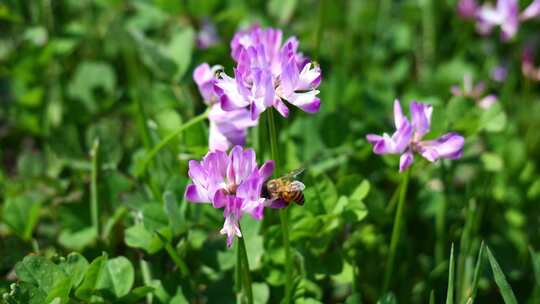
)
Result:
{"points": [[233, 182], [267, 74], [527, 65], [474, 91], [505, 15], [227, 128], [408, 137]]}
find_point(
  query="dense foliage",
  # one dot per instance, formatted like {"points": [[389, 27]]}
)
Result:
{"points": [[92, 182]]}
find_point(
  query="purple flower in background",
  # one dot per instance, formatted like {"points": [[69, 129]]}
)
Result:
{"points": [[227, 128], [499, 73], [532, 11], [527, 65], [207, 35], [233, 182], [506, 15], [408, 137], [476, 92], [467, 8], [268, 74]]}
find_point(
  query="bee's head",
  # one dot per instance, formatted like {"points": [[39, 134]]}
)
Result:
{"points": [[272, 186]]}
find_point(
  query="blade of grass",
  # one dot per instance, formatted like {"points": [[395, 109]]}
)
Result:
{"points": [[474, 285], [396, 230], [536, 265], [500, 279], [94, 200], [174, 255], [536, 269], [450, 289], [432, 297]]}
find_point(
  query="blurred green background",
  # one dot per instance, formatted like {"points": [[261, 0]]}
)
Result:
{"points": [[87, 88]]}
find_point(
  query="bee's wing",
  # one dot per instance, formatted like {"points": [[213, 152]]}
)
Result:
{"points": [[294, 173], [296, 186]]}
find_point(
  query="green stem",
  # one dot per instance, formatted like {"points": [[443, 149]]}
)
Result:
{"points": [[238, 271], [273, 139], [164, 142], [147, 278], [283, 213], [440, 220], [396, 230], [94, 202], [319, 32], [245, 268], [174, 256]]}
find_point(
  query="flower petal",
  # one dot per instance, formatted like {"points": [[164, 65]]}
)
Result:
{"points": [[532, 11], [421, 118], [405, 160], [307, 101], [266, 170], [232, 215], [220, 199], [399, 118], [449, 146], [487, 101], [196, 194]]}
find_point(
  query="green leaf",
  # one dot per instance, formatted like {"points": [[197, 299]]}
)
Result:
{"points": [[493, 119], [154, 217], [282, 9], [173, 212], [77, 240], [361, 191], [89, 77], [500, 279], [75, 266], [254, 242], [180, 49], [21, 214], [388, 298], [476, 275], [24, 293], [154, 55], [39, 271], [261, 293], [136, 294], [91, 277], [450, 288], [117, 277], [492, 162], [536, 265], [138, 236]]}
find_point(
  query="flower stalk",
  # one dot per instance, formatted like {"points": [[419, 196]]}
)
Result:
{"points": [[283, 213], [244, 266], [94, 200], [396, 230]]}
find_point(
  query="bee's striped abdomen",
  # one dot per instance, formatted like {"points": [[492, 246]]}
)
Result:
{"points": [[298, 197]]}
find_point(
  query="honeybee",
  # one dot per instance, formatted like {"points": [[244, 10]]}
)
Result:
{"points": [[285, 189]]}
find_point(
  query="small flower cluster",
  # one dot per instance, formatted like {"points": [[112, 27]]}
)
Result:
{"points": [[266, 75], [474, 91], [233, 182], [527, 65], [408, 137], [505, 15]]}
